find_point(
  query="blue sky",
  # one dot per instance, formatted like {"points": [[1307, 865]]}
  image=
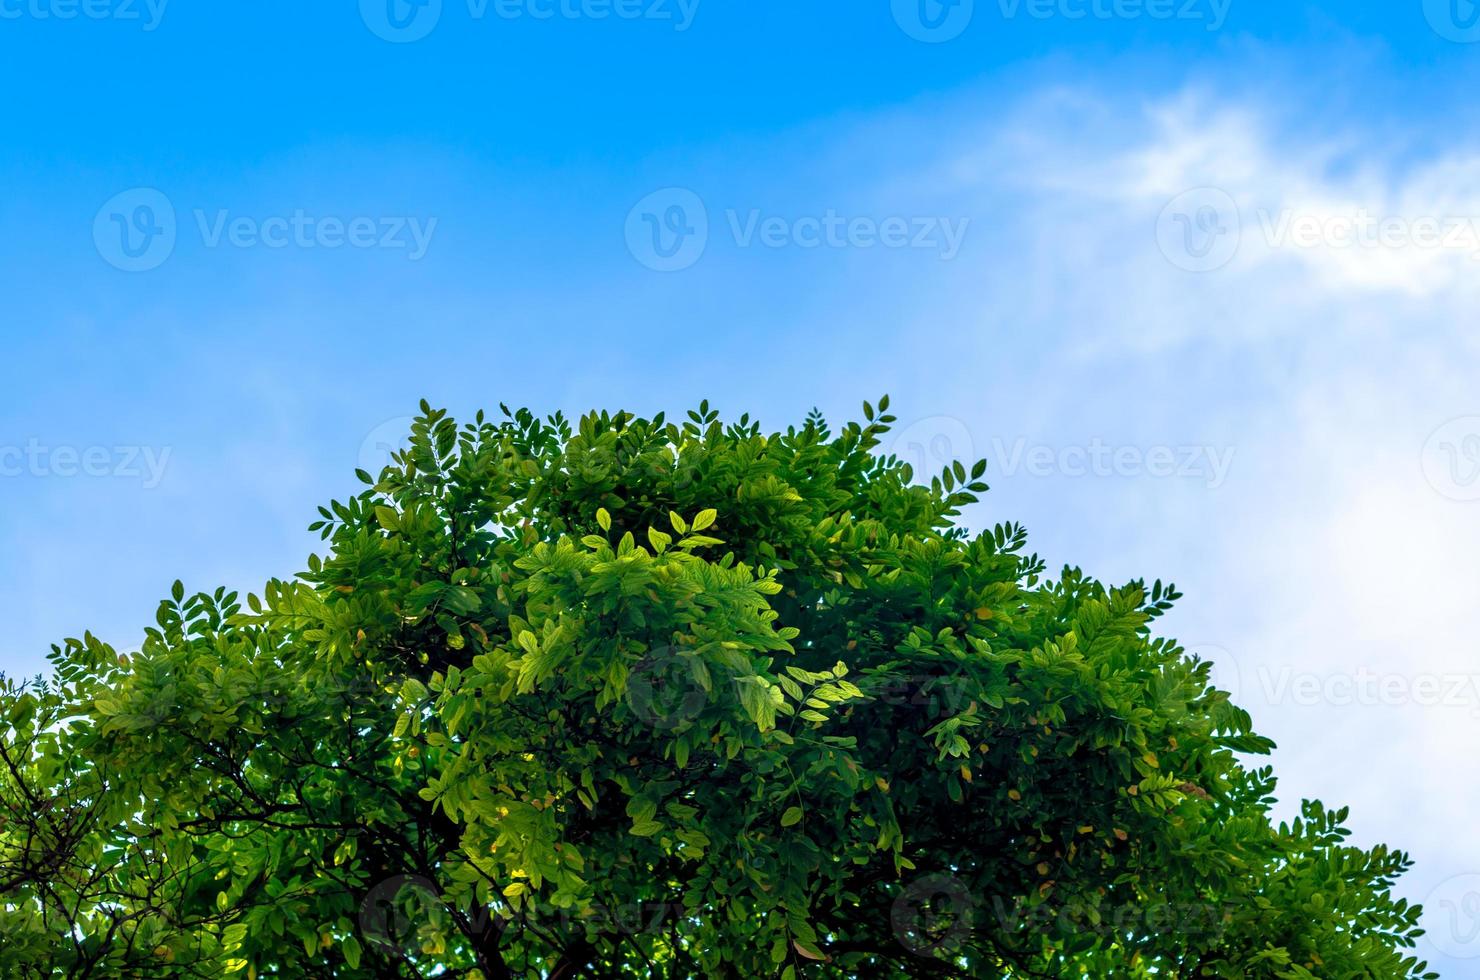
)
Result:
{"points": [[1196, 277]]}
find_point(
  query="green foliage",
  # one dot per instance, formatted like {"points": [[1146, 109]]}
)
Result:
{"points": [[680, 699]]}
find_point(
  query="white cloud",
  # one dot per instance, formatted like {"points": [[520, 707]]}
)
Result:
{"points": [[1326, 365]]}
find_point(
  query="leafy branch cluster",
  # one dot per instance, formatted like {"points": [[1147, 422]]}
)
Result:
{"points": [[551, 676]]}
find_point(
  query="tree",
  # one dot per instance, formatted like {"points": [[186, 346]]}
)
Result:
{"points": [[677, 699]]}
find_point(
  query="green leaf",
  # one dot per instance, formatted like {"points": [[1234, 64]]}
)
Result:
{"points": [[461, 600], [352, 952], [658, 540]]}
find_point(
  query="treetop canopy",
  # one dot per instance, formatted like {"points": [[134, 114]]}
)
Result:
{"points": [[630, 697]]}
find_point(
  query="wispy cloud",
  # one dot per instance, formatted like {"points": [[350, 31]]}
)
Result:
{"points": [[1310, 296]]}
